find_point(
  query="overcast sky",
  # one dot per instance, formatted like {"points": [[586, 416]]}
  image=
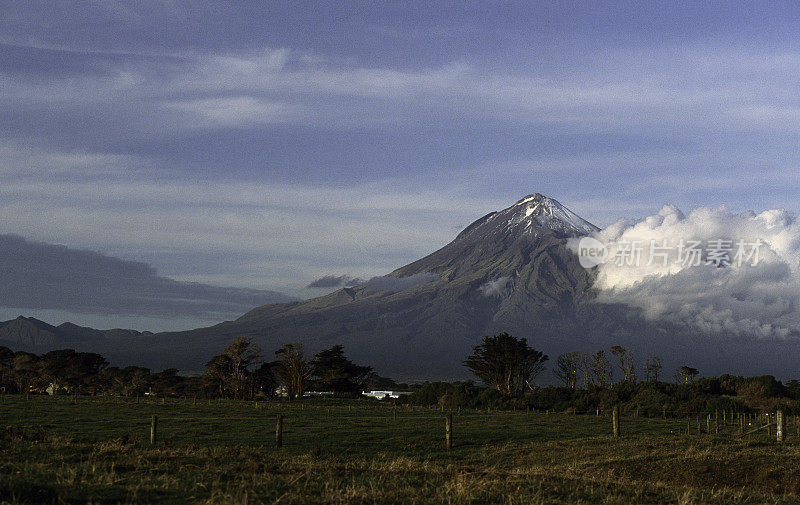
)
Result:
{"points": [[268, 144]]}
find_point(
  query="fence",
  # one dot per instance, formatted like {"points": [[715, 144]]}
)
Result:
{"points": [[364, 424]]}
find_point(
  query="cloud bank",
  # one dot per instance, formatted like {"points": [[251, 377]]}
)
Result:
{"points": [[757, 296], [43, 276], [335, 281], [391, 284]]}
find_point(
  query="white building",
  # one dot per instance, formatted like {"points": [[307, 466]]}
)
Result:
{"points": [[381, 395]]}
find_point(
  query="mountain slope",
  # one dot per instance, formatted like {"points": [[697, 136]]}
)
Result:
{"points": [[508, 271], [509, 268]]}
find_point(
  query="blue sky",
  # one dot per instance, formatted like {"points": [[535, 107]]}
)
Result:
{"points": [[267, 144]]}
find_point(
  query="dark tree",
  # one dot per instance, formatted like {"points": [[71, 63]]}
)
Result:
{"points": [[652, 368], [217, 374], [334, 372], [230, 374], [597, 370], [687, 373], [166, 382], [567, 367], [264, 380], [128, 381], [292, 370], [26, 370], [506, 363], [375, 381], [6, 367], [69, 369]]}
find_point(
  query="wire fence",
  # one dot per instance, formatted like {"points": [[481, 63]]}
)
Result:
{"points": [[358, 424]]}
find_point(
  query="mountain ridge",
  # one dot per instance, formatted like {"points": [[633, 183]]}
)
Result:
{"points": [[509, 263], [509, 271]]}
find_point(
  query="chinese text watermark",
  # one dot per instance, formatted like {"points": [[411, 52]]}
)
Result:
{"points": [[687, 253]]}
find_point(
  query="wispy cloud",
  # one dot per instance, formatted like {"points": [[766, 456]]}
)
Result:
{"points": [[289, 161], [237, 110], [334, 281]]}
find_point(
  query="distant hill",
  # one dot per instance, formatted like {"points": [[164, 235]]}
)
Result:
{"points": [[30, 334]]}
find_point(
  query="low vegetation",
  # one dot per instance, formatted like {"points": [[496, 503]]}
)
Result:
{"points": [[359, 451], [514, 441]]}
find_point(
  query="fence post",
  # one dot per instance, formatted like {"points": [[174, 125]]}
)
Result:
{"points": [[448, 432], [615, 420], [780, 426], [279, 431], [153, 430]]}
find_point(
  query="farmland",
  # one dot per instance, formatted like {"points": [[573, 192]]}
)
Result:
{"points": [[357, 451]]}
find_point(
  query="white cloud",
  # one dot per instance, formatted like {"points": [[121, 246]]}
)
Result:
{"points": [[263, 234], [745, 299], [17, 159], [620, 91], [496, 288], [237, 110]]}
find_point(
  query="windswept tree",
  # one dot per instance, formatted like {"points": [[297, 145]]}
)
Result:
{"points": [[652, 368], [230, 373], [506, 363], [292, 370], [627, 365], [687, 373], [567, 368], [334, 372], [217, 374], [243, 354], [596, 369], [631, 375]]}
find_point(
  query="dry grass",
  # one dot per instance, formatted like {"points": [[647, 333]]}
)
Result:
{"points": [[340, 460]]}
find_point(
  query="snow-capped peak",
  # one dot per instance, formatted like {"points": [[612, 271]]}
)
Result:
{"points": [[550, 214]]}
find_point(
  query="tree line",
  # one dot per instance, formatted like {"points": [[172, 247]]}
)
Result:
{"points": [[239, 371], [509, 365]]}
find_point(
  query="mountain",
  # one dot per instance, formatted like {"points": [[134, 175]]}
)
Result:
{"points": [[508, 271], [31, 334]]}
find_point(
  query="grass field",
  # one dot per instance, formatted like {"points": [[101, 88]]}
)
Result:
{"points": [[355, 451]]}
